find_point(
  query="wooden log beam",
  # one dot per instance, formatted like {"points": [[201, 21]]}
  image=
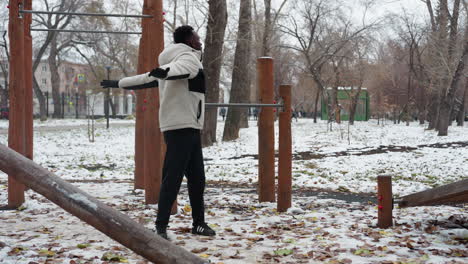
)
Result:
{"points": [[453, 193], [102, 217]]}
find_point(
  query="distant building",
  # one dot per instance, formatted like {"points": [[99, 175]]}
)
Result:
{"points": [[74, 88], [344, 102], [73, 76]]}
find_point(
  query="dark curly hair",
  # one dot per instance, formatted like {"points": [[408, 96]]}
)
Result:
{"points": [[182, 34]]}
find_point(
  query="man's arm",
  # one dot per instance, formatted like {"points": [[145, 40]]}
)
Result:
{"points": [[131, 83], [186, 66], [141, 81]]}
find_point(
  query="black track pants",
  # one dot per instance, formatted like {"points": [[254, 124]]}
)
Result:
{"points": [[183, 157]]}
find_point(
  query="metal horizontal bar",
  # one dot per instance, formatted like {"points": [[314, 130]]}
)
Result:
{"points": [[86, 31], [242, 105], [82, 14]]}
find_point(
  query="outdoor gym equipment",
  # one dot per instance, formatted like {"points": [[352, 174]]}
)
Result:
{"points": [[109, 221], [148, 153], [149, 148], [148, 158], [453, 193]]}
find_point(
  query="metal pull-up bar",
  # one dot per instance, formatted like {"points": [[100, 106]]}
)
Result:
{"points": [[82, 14], [243, 105], [22, 11], [87, 31]]}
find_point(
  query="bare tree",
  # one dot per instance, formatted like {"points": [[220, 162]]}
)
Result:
{"points": [[269, 25], [212, 64], [51, 21], [321, 34], [361, 72], [448, 98], [240, 88], [4, 62], [414, 35]]}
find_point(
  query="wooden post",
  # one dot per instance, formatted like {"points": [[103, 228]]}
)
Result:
{"points": [[139, 182], [28, 74], [385, 201], [109, 221], [266, 132], [153, 33], [16, 128], [285, 151]]}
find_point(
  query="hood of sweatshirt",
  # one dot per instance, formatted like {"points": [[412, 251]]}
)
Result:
{"points": [[174, 50]]}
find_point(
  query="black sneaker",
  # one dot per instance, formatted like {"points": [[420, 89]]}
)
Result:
{"points": [[161, 231], [203, 230]]}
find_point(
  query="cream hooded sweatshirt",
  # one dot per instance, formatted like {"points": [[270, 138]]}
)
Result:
{"points": [[182, 92]]}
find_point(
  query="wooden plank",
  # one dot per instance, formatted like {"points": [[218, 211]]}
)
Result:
{"points": [[453, 193], [109, 221]]}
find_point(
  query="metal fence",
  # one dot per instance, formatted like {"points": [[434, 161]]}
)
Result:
{"points": [[80, 105]]}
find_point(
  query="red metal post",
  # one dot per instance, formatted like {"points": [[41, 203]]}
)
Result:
{"points": [[28, 74], [266, 132], [385, 201], [285, 152], [153, 31], [16, 132]]}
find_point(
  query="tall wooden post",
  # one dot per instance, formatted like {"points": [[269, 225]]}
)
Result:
{"points": [[285, 152], [28, 77], [266, 132], [385, 201], [153, 32], [139, 182], [16, 131]]}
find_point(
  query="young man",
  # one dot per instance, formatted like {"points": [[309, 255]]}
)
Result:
{"points": [[182, 97]]}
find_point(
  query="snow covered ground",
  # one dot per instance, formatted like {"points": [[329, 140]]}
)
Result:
{"points": [[318, 230]]}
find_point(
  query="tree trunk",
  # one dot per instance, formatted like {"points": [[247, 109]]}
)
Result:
{"points": [[317, 97], [433, 113], [212, 65], [334, 105], [55, 79], [267, 29], [240, 86], [421, 104], [444, 118], [114, 105], [352, 110], [4, 95], [125, 103], [41, 98], [440, 76], [448, 101], [462, 111]]}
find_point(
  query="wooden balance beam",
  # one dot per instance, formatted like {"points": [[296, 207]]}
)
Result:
{"points": [[453, 193], [109, 221]]}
